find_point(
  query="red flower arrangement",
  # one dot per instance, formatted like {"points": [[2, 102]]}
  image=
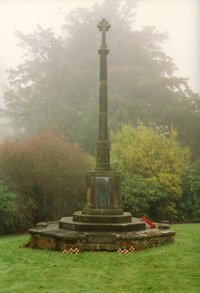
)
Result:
{"points": [[149, 222]]}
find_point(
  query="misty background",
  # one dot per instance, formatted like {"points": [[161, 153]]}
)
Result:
{"points": [[167, 30], [180, 18]]}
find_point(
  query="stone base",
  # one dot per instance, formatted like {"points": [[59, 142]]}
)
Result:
{"points": [[50, 236]]}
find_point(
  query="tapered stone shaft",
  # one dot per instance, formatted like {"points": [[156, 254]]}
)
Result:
{"points": [[103, 144]]}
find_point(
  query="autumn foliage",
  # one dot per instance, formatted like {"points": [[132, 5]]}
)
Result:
{"points": [[153, 165], [47, 173]]}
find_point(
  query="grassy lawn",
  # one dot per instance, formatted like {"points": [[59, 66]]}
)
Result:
{"points": [[171, 268]]}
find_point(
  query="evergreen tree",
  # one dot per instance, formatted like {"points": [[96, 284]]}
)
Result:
{"points": [[57, 85]]}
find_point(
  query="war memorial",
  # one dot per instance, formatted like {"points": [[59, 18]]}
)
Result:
{"points": [[102, 224]]}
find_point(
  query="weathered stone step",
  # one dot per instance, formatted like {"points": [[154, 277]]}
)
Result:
{"points": [[50, 236], [84, 218], [68, 224]]}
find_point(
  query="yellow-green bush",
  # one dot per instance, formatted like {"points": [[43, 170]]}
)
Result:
{"points": [[158, 160]]}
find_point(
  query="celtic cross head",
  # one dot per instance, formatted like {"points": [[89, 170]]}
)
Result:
{"points": [[103, 26]]}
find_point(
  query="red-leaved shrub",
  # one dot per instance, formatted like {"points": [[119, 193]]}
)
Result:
{"points": [[47, 173]]}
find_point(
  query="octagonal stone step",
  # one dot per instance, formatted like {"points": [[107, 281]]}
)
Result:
{"points": [[67, 223], [80, 217]]}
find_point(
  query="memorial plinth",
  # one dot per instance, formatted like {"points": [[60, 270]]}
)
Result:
{"points": [[102, 224]]}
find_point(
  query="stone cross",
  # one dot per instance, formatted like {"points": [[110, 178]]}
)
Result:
{"points": [[103, 26]]}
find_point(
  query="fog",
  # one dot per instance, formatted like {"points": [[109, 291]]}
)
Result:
{"points": [[179, 17], [152, 78]]}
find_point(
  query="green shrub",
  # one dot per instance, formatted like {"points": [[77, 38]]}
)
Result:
{"points": [[189, 204], [8, 211], [140, 197]]}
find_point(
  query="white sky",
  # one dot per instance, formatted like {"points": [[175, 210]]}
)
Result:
{"points": [[181, 18]]}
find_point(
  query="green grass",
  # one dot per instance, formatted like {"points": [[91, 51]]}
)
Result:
{"points": [[171, 268]]}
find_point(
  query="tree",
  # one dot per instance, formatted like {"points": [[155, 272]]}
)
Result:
{"points": [[57, 84], [153, 164]]}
